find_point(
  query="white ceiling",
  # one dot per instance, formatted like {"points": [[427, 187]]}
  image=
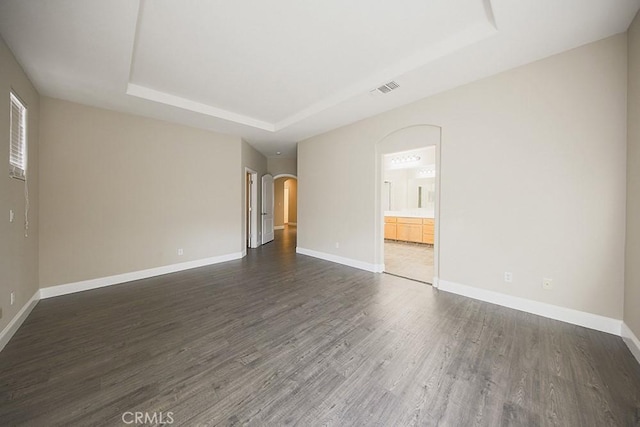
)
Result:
{"points": [[280, 71]]}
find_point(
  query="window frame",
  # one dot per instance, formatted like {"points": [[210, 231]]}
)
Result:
{"points": [[15, 170]]}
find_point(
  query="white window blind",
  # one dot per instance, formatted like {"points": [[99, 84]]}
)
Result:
{"points": [[18, 149]]}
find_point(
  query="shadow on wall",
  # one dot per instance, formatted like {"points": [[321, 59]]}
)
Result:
{"points": [[285, 201]]}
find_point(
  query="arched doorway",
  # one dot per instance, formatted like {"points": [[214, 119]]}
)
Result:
{"points": [[285, 201], [408, 213]]}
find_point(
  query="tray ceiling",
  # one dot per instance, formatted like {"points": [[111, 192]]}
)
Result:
{"points": [[277, 72]]}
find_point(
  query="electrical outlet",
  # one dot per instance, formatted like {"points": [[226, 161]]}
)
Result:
{"points": [[180, 251], [13, 298], [337, 245], [508, 277], [547, 284]]}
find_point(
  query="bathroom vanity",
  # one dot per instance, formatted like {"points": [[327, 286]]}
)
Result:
{"points": [[415, 229]]}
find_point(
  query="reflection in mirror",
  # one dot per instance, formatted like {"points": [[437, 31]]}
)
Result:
{"points": [[387, 195], [409, 183]]}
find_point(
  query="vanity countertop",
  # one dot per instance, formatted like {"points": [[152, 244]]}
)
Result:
{"points": [[411, 213]]}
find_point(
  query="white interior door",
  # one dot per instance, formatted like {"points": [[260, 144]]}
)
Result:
{"points": [[267, 208]]}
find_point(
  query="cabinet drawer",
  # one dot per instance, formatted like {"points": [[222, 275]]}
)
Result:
{"points": [[409, 220], [390, 219]]}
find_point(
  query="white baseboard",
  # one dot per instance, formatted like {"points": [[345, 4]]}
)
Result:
{"points": [[575, 317], [85, 285], [18, 319], [631, 340], [295, 224], [278, 227], [374, 268]]}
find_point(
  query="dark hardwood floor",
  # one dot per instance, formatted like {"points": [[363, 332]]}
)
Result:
{"points": [[279, 338]]}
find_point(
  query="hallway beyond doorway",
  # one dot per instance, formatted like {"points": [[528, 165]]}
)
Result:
{"points": [[285, 194]]}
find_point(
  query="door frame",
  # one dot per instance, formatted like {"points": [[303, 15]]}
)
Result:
{"points": [[251, 207], [393, 143], [284, 175]]}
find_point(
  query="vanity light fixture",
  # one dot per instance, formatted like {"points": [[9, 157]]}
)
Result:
{"points": [[405, 159], [426, 172]]}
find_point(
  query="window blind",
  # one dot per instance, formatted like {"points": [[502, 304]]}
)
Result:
{"points": [[18, 148]]}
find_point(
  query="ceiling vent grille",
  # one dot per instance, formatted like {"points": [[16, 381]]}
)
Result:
{"points": [[388, 87]]}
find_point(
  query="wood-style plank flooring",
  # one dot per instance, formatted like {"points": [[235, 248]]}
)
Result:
{"points": [[284, 339]]}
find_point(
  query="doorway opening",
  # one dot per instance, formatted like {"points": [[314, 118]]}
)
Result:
{"points": [[250, 210], [409, 197], [285, 201], [416, 223]]}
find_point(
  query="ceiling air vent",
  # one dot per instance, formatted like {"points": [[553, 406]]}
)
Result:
{"points": [[386, 88]]}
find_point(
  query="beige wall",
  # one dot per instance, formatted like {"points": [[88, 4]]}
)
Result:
{"points": [[257, 162], [532, 180], [292, 185], [122, 193], [632, 270], [278, 201], [282, 165], [18, 254]]}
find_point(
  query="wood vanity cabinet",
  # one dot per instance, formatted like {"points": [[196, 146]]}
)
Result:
{"points": [[390, 228], [427, 230], [410, 229], [418, 230]]}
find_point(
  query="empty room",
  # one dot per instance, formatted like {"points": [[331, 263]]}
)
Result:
{"points": [[320, 213]]}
